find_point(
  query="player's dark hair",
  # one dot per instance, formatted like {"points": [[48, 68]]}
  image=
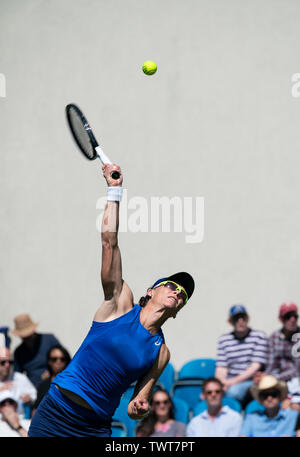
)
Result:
{"points": [[144, 300], [146, 426]]}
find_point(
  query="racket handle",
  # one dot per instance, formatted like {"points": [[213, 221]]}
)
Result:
{"points": [[104, 159]]}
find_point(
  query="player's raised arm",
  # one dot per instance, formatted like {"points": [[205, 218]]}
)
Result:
{"points": [[111, 269], [117, 295]]}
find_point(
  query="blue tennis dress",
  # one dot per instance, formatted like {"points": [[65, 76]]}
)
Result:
{"points": [[112, 356]]}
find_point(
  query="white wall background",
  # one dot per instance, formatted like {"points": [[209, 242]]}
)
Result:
{"points": [[217, 120]]}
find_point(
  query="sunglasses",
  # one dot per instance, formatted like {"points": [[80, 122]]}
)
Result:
{"points": [[173, 286], [209, 392], [288, 316], [265, 395], [3, 362], [162, 402], [55, 359]]}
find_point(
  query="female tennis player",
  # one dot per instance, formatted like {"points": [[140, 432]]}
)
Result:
{"points": [[124, 344]]}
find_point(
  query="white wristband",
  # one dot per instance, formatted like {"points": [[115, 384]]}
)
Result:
{"points": [[114, 193]]}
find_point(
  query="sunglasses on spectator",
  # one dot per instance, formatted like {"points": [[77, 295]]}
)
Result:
{"points": [[236, 317], [55, 359], [288, 316], [209, 392], [173, 286], [265, 395], [3, 362], [162, 402]]}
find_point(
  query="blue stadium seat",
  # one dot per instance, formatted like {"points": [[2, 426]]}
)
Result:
{"points": [[118, 429], [187, 391], [198, 369], [128, 393], [253, 406], [181, 410], [188, 385], [166, 379], [226, 401], [122, 416], [232, 403]]}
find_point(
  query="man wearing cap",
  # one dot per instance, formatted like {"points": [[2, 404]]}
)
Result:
{"points": [[30, 357], [125, 344], [241, 354], [283, 354], [273, 421]]}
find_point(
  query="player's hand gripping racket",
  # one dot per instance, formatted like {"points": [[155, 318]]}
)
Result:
{"points": [[85, 138]]}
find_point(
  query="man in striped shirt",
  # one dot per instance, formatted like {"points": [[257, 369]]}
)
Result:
{"points": [[242, 355]]}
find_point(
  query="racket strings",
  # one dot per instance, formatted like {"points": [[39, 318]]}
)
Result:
{"points": [[81, 135]]}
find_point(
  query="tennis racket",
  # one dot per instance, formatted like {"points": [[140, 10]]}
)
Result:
{"points": [[84, 137]]}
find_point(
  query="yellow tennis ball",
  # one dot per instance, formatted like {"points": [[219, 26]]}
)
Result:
{"points": [[149, 67]]}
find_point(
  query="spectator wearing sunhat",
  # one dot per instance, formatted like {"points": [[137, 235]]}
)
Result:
{"points": [[273, 421], [241, 354], [30, 357]]}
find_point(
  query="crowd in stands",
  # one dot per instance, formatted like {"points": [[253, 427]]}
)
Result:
{"points": [[253, 391], [26, 377]]}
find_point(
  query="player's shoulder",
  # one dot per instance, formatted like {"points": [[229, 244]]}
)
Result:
{"points": [[115, 307]]}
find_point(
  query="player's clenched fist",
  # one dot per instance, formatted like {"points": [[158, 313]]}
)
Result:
{"points": [[138, 408], [108, 170]]}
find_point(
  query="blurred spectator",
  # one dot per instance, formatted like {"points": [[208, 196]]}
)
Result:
{"points": [[273, 421], [160, 422], [216, 420], [57, 360], [31, 356], [11, 423], [241, 355], [19, 386], [283, 357]]}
